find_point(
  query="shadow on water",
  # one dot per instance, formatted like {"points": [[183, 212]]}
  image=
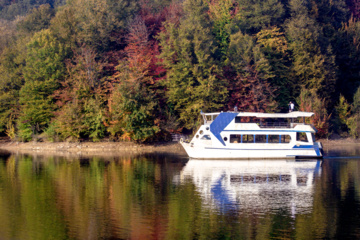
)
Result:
{"points": [[342, 151]]}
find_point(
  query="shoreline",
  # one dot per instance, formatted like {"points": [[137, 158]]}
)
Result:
{"points": [[91, 148], [123, 148]]}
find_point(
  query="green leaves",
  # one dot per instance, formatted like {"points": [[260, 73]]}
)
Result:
{"points": [[45, 58], [193, 80], [43, 71], [38, 19], [313, 65], [133, 113], [256, 15], [139, 70]]}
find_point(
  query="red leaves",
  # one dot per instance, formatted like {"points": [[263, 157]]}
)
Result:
{"points": [[250, 93], [142, 48]]}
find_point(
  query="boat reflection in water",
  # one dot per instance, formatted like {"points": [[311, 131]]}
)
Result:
{"points": [[258, 186]]}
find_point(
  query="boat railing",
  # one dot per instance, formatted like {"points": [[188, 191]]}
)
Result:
{"points": [[208, 118], [269, 124]]}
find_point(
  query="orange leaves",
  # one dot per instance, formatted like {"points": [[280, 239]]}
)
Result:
{"points": [[309, 102]]}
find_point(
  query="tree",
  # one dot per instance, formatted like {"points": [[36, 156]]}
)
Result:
{"points": [[256, 15], [38, 19], [97, 23], [45, 58], [43, 71], [348, 58], [81, 99], [342, 110], [65, 26], [134, 104], [248, 72], [10, 10], [8, 33], [308, 101], [134, 113], [222, 13], [251, 93], [193, 76], [12, 62], [329, 14], [275, 47], [311, 67], [353, 122]]}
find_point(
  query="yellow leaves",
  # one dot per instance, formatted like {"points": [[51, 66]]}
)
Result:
{"points": [[220, 9], [10, 128], [343, 109], [273, 38]]}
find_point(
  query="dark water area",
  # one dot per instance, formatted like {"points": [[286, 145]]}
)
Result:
{"points": [[172, 197]]}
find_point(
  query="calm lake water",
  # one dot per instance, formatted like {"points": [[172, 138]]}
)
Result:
{"points": [[172, 197]]}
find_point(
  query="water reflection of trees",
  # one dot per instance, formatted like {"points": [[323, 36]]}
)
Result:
{"points": [[136, 198], [83, 198]]}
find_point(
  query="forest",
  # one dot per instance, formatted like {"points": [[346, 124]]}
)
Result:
{"points": [[139, 70]]}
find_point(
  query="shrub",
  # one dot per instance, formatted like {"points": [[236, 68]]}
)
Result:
{"points": [[25, 133]]}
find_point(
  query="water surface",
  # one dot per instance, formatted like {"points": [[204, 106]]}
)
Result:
{"points": [[172, 197]]}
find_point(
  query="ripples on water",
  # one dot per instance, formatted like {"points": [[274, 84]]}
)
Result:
{"points": [[172, 197]]}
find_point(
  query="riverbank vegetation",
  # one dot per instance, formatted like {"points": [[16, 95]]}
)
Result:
{"points": [[141, 70]]}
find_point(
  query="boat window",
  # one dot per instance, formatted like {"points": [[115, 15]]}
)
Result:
{"points": [[237, 119], [285, 138], [260, 138], [273, 139], [235, 138], [248, 139], [201, 132], [301, 136], [225, 139], [206, 137]]}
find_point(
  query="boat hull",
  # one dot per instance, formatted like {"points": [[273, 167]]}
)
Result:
{"points": [[208, 152]]}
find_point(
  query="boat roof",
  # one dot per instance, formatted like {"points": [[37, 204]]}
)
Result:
{"points": [[295, 114]]}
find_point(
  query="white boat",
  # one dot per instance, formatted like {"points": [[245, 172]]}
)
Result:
{"points": [[230, 135]]}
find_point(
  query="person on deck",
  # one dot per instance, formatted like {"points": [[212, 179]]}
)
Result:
{"points": [[291, 106]]}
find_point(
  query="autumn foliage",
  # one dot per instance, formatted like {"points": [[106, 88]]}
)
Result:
{"points": [[141, 70]]}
